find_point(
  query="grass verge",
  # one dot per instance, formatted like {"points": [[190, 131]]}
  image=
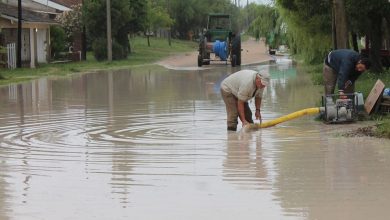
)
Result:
{"points": [[141, 54], [382, 127]]}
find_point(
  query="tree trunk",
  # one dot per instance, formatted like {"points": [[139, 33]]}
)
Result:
{"points": [[84, 44], [334, 41], [169, 36], [109, 37], [387, 35], [129, 47], [341, 26], [376, 42], [354, 42]]}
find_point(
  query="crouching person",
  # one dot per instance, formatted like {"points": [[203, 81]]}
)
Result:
{"points": [[237, 89]]}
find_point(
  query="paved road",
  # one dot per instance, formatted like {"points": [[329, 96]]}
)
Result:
{"points": [[252, 52]]}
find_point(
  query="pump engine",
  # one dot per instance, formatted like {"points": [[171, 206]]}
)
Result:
{"points": [[341, 109]]}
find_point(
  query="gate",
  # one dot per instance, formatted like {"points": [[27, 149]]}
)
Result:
{"points": [[11, 54]]}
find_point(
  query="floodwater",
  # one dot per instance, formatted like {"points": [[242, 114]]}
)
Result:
{"points": [[151, 143]]}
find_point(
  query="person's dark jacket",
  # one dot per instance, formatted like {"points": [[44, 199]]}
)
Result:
{"points": [[343, 62]]}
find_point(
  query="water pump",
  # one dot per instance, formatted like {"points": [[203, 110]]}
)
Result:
{"points": [[341, 109]]}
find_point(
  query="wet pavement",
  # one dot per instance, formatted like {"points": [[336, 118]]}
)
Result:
{"points": [[151, 143]]}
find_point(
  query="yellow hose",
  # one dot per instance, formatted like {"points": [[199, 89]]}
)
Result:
{"points": [[307, 111]]}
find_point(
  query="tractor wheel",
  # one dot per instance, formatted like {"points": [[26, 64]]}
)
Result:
{"points": [[234, 60], [202, 51], [207, 57], [236, 49], [200, 60]]}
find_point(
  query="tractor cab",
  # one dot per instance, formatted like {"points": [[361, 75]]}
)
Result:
{"points": [[218, 39], [218, 27]]}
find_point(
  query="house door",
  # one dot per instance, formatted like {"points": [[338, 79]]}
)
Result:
{"points": [[41, 45]]}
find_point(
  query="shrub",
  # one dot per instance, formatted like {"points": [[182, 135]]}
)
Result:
{"points": [[58, 40], [100, 50]]}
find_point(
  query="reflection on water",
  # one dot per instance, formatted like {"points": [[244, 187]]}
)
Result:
{"points": [[245, 162], [151, 143], [4, 191], [335, 179]]}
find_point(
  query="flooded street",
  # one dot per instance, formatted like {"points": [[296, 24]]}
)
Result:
{"points": [[151, 143]]}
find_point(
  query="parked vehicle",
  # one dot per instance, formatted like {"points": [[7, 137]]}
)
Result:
{"points": [[219, 39]]}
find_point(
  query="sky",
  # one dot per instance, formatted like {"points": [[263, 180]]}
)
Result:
{"points": [[258, 1]]}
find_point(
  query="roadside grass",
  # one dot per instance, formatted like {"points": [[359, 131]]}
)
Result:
{"points": [[383, 127], [367, 80], [141, 54]]}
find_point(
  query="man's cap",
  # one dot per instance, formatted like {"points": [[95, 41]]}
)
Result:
{"points": [[265, 78]]}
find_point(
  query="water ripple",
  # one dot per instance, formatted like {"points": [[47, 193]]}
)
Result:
{"points": [[75, 133]]}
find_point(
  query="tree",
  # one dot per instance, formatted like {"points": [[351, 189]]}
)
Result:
{"points": [[136, 23], [157, 17], [57, 40], [127, 16], [269, 25], [367, 20], [340, 27], [308, 27], [191, 15], [71, 22]]}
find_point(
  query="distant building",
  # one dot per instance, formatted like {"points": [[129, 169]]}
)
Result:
{"points": [[37, 17], [36, 21]]}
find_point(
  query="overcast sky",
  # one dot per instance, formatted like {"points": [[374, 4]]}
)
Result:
{"points": [[258, 1]]}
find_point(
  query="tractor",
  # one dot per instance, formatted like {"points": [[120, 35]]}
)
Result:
{"points": [[219, 39]]}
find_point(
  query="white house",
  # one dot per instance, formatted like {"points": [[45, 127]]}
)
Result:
{"points": [[36, 21]]}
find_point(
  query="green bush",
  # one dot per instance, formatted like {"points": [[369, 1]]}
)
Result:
{"points": [[100, 50], [57, 40], [3, 49]]}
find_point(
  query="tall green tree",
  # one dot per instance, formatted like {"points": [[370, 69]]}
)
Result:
{"points": [[127, 16], [157, 17], [367, 19], [308, 27], [191, 15], [269, 25], [309, 24]]}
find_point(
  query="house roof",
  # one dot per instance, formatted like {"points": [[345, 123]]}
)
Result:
{"points": [[42, 6], [11, 13], [54, 4], [68, 3]]}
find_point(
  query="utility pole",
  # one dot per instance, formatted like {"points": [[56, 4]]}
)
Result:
{"points": [[109, 39], [19, 52], [83, 40], [169, 30]]}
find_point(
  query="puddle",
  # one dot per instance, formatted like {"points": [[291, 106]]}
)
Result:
{"points": [[151, 143]]}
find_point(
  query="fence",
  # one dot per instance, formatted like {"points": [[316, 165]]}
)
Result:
{"points": [[11, 52]]}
